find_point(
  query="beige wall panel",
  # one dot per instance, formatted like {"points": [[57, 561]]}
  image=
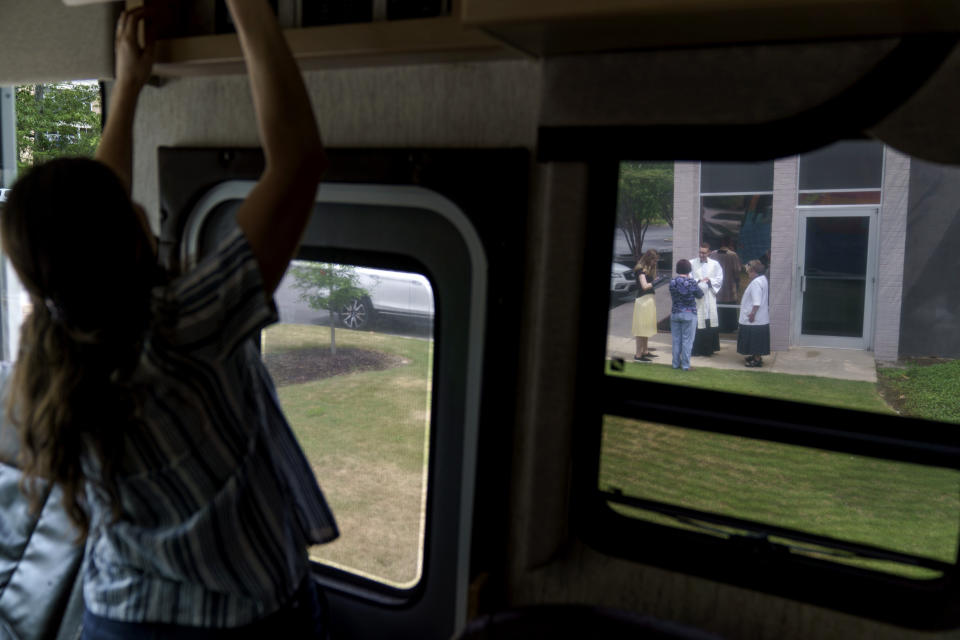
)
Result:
{"points": [[463, 105], [44, 40], [586, 576]]}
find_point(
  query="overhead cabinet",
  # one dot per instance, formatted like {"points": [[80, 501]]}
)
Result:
{"points": [[549, 27], [196, 38]]}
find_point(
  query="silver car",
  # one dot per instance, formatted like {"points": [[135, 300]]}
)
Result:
{"points": [[622, 281], [392, 293]]}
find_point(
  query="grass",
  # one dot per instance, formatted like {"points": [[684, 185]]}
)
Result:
{"points": [[894, 505], [848, 394], [366, 437], [365, 434], [931, 392]]}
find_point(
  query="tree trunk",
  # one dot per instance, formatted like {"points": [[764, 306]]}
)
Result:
{"points": [[334, 319]]}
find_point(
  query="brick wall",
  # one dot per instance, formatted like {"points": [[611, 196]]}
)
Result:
{"points": [[783, 252], [686, 210], [891, 241]]}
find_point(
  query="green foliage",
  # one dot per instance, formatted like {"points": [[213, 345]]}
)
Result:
{"points": [[327, 286], [931, 392], [645, 197], [56, 120]]}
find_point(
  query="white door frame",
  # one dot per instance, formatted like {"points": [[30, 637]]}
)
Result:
{"points": [[872, 212]]}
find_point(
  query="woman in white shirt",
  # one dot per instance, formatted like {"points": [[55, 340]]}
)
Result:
{"points": [[753, 338]]}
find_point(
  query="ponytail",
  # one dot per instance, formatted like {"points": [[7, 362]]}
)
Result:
{"points": [[89, 267]]}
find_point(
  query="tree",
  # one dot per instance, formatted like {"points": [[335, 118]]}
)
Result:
{"points": [[645, 196], [55, 120], [329, 287]]}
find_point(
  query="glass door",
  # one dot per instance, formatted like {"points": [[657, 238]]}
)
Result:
{"points": [[836, 274]]}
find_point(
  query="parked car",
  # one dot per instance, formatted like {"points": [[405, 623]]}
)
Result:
{"points": [[391, 293], [622, 281]]}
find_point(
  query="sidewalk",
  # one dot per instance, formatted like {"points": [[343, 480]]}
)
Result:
{"points": [[845, 364]]}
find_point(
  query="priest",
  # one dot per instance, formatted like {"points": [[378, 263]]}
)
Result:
{"points": [[709, 276]]}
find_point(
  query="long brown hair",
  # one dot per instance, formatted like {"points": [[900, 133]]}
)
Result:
{"points": [[648, 264], [82, 254]]}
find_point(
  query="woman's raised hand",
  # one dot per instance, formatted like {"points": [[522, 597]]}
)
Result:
{"points": [[134, 62]]}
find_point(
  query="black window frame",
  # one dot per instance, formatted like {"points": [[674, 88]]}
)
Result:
{"points": [[747, 562], [437, 606]]}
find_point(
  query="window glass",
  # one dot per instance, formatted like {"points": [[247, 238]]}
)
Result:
{"points": [[352, 360], [738, 223], [39, 122], [855, 164], [736, 177], [858, 312], [897, 506]]}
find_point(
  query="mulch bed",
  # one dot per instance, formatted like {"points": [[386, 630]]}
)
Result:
{"points": [[304, 365]]}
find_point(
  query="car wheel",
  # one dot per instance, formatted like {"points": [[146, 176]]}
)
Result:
{"points": [[356, 314]]}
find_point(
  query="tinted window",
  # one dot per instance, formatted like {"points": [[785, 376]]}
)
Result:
{"points": [[736, 177]]}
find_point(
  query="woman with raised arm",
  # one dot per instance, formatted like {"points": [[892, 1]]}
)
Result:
{"points": [[142, 394]]}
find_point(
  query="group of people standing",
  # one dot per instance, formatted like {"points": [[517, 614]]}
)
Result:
{"points": [[694, 318]]}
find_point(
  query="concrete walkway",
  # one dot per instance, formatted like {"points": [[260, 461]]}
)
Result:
{"points": [[845, 364]]}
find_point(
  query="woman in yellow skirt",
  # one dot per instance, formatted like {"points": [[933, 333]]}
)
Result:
{"points": [[645, 307]]}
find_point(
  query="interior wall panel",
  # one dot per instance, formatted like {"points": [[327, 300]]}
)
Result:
{"points": [[482, 105], [46, 41]]}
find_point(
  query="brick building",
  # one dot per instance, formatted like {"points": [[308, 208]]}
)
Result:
{"points": [[851, 233]]}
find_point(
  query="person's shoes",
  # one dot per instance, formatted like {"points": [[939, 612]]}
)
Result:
{"points": [[650, 355], [753, 363], [642, 359]]}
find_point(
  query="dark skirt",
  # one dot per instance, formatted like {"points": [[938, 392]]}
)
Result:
{"points": [[753, 340], [706, 341]]}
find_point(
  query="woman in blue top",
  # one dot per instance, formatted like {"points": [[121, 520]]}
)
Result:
{"points": [[684, 292], [142, 395]]}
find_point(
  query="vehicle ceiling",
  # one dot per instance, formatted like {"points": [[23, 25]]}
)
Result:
{"points": [[903, 91]]}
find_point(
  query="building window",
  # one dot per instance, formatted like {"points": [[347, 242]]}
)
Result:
{"points": [[844, 173], [736, 216]]}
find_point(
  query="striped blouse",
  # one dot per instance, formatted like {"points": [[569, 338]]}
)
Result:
{"points": [[218, 501]]}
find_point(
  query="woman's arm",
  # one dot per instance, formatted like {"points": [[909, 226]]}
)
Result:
{"points": [[277, 209], [133, 67], [646, 286], [695, 289]]}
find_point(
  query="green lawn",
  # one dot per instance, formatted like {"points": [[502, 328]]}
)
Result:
{"points": [[365, 435], [894, 505], [931, 392], [848, 394]]}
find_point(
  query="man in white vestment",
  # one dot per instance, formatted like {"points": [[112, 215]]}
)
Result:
{"points": [[709, 276]]}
